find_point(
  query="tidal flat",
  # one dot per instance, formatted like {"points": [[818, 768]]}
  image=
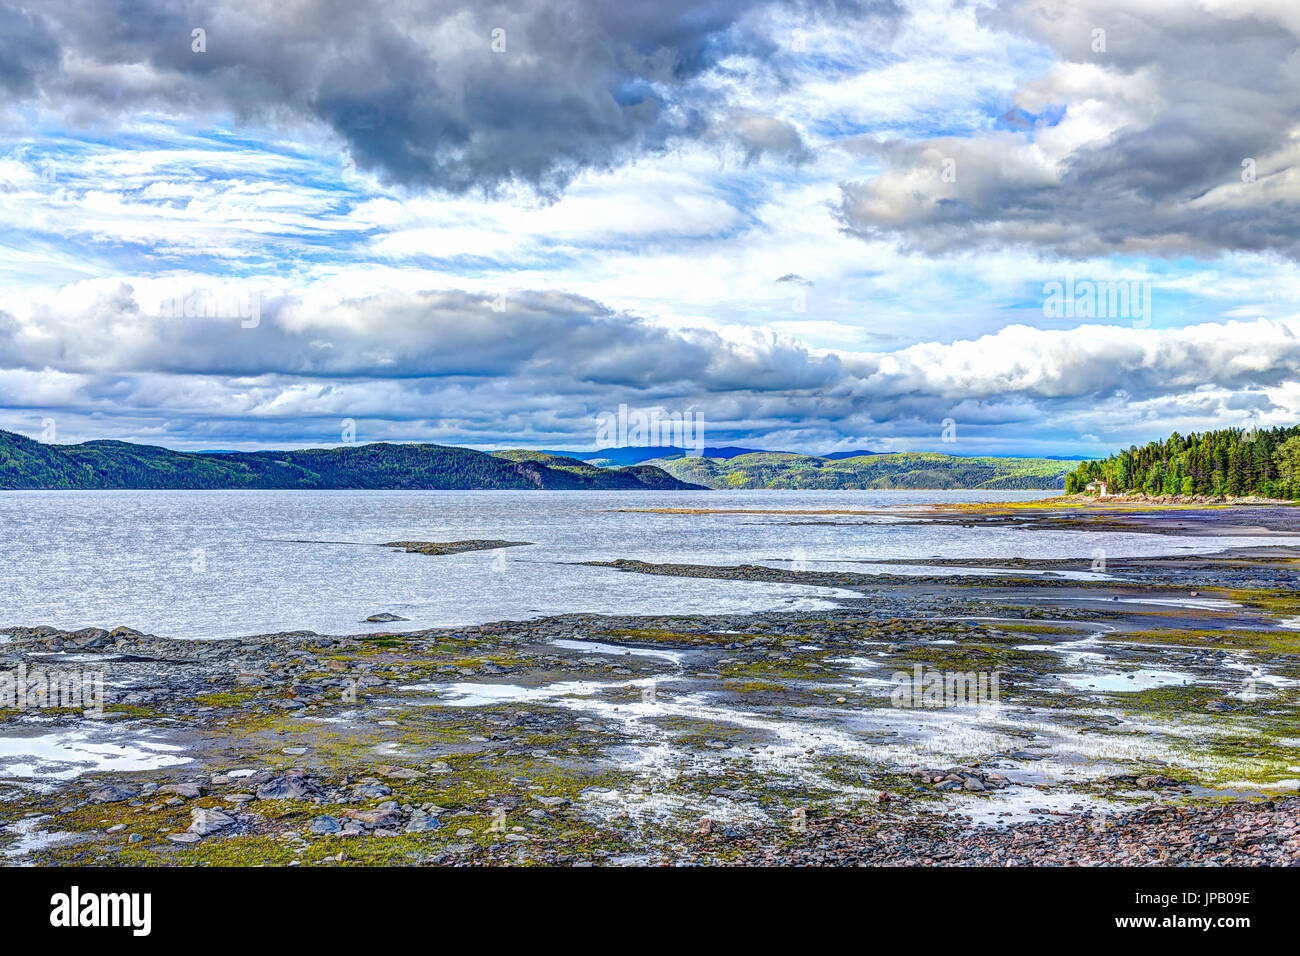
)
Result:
{"points": [[1145, 712]]}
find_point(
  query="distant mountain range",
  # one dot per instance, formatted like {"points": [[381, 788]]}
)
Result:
{"points": [[635, 454], [28, 464], [907, 470], [836, 455]]}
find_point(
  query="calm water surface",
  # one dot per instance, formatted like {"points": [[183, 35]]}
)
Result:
{"points": [[226, 563]]}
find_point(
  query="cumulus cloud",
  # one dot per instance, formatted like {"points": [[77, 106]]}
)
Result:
{"points": [[449, 94], [460, 366], [761, 135], [543, 233], [1156, 129]]}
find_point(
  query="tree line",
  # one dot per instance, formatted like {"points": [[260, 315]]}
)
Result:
{"points": [[1226, 462]]}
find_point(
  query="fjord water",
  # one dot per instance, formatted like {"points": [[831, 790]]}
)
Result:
{"points": [[199, 564]]}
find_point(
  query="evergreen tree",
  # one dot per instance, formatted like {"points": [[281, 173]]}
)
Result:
{"points": [[1229, 461]]}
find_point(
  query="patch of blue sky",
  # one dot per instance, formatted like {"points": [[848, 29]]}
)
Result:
{"points": [[34, 259], [1158, 296]]}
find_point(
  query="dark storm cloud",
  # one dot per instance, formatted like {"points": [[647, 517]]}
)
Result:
{"points": [[26, 50], [450, 94], [1187, 97]]}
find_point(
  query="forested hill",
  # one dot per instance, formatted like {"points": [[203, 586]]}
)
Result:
{"points": [[28, 464], [1230, 462], [919, 470]]}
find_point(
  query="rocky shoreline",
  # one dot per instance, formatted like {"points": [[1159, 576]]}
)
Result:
{"points": [[1145, 716]]}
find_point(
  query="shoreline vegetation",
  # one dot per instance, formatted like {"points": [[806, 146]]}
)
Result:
{"points": [[1144, 716], [1228, 463]]}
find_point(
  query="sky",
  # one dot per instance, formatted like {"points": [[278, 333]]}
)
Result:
{"points": [[1024, 228]]}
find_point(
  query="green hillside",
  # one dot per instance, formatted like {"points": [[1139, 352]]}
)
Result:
{"points": [[592, 476], [920, 470], [28, 464]]}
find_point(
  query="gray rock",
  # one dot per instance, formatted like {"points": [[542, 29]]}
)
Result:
{"points": [[207, 821], [188, 790], [288, 787], [374, 818], [423, 824], [110, 795], [325, 824]]}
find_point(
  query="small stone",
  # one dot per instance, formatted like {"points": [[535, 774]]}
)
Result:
{"points": [[325, 824], [183, 837]]}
